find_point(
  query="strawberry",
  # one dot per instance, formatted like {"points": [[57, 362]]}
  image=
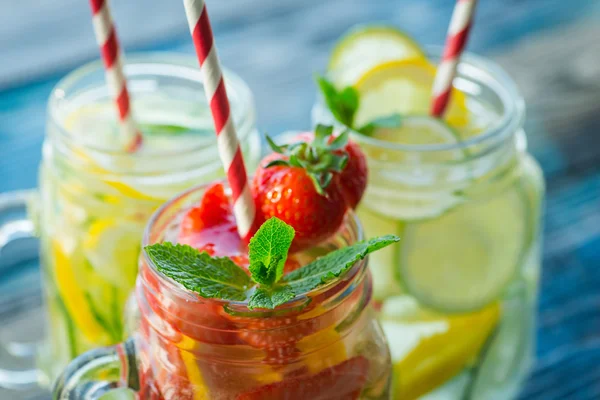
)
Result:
{"points": [[274, 333], [353, 177], [344, 381], [303, 185], [211, 226]]}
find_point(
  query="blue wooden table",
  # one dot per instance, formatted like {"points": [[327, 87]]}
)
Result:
{"points": [[549, 46]]}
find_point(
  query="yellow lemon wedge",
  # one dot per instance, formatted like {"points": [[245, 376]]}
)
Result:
{"points": [[427, 350], [367, 46], [404, 87], [192, 369], [129, 191], [333, 352], [74, 297]]}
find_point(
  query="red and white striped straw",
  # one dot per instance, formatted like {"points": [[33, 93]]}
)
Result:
{"points": [[106, 36], [456, 40], [214, 88]]}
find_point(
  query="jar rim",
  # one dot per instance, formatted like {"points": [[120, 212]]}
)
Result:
{"points": [[175, 64], [358, 269], [488, 73]]}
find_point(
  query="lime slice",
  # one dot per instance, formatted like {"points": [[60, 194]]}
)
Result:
{"points": [[419, 130], [404, 87], [464, 259], [365, 47], [392, 190], [429, 349], [112, 247], [422, 130]]}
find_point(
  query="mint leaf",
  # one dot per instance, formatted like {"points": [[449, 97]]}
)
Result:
{"points": [[332, 265], [268, 250], [210, 277], [342, 104], [348, 104], [388, 121], [270, 297]]}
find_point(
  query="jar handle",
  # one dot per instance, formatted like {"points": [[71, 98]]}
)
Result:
{"points": [[86, 376], [14, 226]]}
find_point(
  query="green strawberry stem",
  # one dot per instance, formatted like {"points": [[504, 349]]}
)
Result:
{"points": [[319, 158]]}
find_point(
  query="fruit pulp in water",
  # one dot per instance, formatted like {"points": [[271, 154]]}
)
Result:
{"points": [[192, 348], [93, 216], [457, 293]]}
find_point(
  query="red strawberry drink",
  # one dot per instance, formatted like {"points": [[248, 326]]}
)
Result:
{"points": [[275, 318]]}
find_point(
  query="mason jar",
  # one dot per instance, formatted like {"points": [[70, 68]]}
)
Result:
{"points": [[324, 344], [95, 198], [457, 295]]}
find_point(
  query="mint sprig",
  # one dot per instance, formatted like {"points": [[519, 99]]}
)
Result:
{"points": [[266, 287], [210, 277], [344, 105]]}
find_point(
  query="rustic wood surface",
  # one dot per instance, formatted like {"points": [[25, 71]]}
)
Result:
{"points": [[549, 46]]}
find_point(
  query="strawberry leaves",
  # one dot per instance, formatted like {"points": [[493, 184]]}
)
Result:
{"points": [[320, 158], [266, 287]]}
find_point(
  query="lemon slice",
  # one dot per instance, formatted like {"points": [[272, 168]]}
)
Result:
{"points": [[112, 247], [404, 87], [333, 352], [464, 259], [74, 297], [429, 349], [365, 47]]}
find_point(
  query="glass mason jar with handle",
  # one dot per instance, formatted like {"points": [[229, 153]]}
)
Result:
{"points": [[95, 198], [457, 295], [324, 343]]}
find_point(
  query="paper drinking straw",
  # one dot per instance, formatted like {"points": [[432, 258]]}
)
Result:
{"points": [[214, 88], [456, 40], [106, 36]]}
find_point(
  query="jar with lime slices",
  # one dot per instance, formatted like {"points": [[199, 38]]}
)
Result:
{"points": [[457, 295], [96, 198]]}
